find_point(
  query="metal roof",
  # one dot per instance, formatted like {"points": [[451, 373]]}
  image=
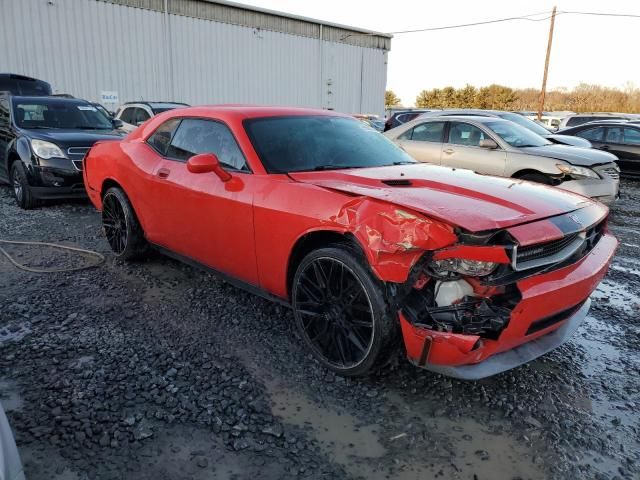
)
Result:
{"points": [[260, 18]]}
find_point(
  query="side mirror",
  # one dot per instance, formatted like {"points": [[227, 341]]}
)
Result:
{"points": [[117, 123], [488, 143], [205, 163]]}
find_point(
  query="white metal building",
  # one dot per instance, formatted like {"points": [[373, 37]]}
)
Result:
{"points": [[193, 51]]}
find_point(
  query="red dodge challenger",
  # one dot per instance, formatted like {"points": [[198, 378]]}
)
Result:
{"points": [[473, 274]]}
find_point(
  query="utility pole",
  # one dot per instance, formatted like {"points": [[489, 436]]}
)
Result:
{"points": [[543, 91]]}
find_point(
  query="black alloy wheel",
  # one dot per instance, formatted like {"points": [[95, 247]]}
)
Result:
{"points": [[121, 226], [340, 311], [21, 189]]}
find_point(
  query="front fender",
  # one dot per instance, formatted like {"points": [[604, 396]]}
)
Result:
{"points": [[392, 238]]}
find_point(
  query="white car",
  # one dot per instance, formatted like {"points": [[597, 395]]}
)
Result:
{"points": [[494, 146], [134, 114]]}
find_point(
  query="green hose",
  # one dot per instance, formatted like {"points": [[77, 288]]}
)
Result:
{"points": [[97, 255]]}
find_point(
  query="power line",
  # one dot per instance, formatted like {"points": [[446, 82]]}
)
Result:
{"points": [[502, 20]]}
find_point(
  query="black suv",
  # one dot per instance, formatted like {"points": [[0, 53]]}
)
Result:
{"points": [[43, 141]]}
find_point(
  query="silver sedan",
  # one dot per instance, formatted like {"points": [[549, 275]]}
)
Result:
{"points": [[500, 147]]}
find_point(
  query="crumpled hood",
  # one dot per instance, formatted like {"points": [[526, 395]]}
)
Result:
{"points": [[456, 196], [584, 157]]}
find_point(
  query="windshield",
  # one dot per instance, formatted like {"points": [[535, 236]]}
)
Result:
{"points": [[302, 143], [58, 114], [525, 122], [517, 136]]}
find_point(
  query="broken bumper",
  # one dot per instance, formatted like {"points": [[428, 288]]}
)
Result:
{"points": [[552, 307]]}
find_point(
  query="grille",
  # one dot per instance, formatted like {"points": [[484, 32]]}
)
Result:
{"points": [[553, 319], [76, 154], [611, 173], [75, 151], [609, 170], [548, 252]]}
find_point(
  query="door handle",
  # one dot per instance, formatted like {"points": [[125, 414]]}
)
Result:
{"points": [[164, 172], [448, 151]]}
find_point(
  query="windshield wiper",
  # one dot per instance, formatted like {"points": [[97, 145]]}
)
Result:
{"points": [[319, 168], [38, 127], [90, 127], [404, 162]]}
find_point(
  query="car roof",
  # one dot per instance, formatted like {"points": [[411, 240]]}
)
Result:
{"points": [[254, 111], [156, 104], [604, 123], [476, 118], [52, 99]]}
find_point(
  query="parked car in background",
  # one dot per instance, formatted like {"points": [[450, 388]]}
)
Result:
{"points": [[495, 146], [580, 118], [398, 117], [42, 143], [134, 114], [377, 125], [311, 208], [517, 118], [23, 85], [620, 138], [10, 464]]}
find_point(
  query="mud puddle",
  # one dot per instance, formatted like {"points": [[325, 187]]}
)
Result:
{"points": [[413, 447], [618, 295]]}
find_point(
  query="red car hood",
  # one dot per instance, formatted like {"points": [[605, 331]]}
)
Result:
{"points": [[455, 196]]}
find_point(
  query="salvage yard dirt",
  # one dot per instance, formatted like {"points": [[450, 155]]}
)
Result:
{"points": [[156, 370]]}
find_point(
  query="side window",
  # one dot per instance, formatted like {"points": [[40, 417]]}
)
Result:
{"points": [[594, 134], [428, 132], [206, 136], [406, 135], [614, 135], [162, 136], [127, 115], [631, 136], [140, 116], [465, 134]]}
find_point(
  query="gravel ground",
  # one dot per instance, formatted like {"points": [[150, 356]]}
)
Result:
{"points": [[155, 370]]}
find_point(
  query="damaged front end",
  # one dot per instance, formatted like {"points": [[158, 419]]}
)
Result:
{"points": [[470, 310]]}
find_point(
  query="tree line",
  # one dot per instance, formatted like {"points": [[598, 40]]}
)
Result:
{"points": [[583, 98]]}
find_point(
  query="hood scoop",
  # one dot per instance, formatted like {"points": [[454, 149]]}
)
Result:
{"points": [[397, 182]]}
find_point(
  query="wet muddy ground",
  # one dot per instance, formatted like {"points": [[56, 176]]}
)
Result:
{"points": [[155, 370]]}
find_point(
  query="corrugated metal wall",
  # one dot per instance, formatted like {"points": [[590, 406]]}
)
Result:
{"points": [[84, 47]]}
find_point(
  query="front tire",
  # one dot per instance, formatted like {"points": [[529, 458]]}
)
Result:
{"points": [[21, 188], [341, 313], [537, 177], [121, 226]]}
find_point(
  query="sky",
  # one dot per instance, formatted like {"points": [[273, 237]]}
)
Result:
{"points": [[601, 50]]}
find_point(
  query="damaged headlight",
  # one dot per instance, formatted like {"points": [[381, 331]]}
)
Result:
{"points": [[577, 172], [472, 268]]}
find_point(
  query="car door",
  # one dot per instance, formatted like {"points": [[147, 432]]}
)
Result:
{"points": [[424, 141], [624, 143], [462, 150], [198, 215]]}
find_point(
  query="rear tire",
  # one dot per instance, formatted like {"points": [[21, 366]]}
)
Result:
{"points": [[537, 177], [341, 312], [21, 188], [121, 226]]}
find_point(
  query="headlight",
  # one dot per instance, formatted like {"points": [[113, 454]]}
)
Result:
{"points": [[46, 149], [577, 172], [472, 268]]}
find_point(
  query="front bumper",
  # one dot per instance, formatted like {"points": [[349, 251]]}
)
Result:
{"points": [[51, 183], [604, 190], [551, 307]]}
